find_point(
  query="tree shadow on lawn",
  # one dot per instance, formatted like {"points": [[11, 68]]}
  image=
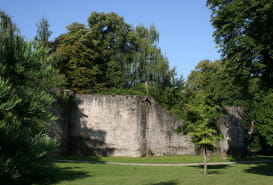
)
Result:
{"points": [[172, 182], [265, 168], [212, 169], [53, 174], [78, 158], [255, 158]]}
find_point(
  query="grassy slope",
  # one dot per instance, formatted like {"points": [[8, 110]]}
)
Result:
{"points": [[106, 174]]}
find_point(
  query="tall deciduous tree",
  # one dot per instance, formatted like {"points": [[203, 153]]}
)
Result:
{"points": [[114, 44], [150, 71], [244, 32], [213, 79], [95, 57], [110, 54], [75, 58], [43, 32]]}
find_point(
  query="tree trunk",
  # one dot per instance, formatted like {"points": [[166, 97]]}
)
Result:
{"points": [[205, 159]]}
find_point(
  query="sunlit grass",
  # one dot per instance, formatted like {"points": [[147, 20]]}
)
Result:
{"points": [[159, 159], [154, 159], [109, 174]]}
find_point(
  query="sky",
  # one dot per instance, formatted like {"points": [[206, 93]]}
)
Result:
{"points": [[184, 25]]}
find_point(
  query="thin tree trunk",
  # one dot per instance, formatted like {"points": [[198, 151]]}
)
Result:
{"points": [[205, 159]]}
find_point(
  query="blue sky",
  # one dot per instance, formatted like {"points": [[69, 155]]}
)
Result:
{"points": [[184, 26]]}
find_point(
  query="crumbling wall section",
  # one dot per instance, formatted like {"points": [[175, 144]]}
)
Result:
{"points": [[232, 127], [160, 132]]}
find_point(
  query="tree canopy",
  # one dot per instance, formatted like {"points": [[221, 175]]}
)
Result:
{"points": [[244, 34], [243, 31], [110, 55], [43, 32]]}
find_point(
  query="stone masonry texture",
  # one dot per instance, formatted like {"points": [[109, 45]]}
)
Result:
{"points": [[132, 126]]}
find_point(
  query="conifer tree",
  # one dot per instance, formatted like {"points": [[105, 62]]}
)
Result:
{"points": [[26, 78]]}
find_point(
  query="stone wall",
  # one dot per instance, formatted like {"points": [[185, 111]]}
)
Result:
{"points": [[231, 126], [126, 126], [131, 126], [159, 132]]}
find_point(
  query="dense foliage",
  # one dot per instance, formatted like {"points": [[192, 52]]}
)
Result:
{"points": [[244, 75], [214, 80], [244, 34], [112, 56], [26, 78]]}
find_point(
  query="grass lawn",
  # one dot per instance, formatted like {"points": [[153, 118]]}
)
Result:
{"points": [[109, 174], [159, 159]]}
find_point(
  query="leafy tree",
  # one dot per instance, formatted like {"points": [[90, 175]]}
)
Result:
{"points": [[260, 115], [96, 57], [205, 93], [26, 78], [201, 126], [114, 44], [43, 32], [111, 56], [214, 79], [150, 71], [205, 138], [75, 59], [144, 67], [244, 34]]}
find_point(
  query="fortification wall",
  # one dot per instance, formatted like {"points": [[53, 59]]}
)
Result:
{"points": [[131, 126], [127, 126]]}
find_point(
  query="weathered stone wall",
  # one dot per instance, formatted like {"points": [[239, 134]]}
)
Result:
{"points": [[127, 126], [231, 126], [160, 135], [132, 126]]}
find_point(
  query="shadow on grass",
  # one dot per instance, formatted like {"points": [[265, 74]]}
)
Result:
{"points": [[264, 157], [213, 169], [255, 158], [53, 175], [265, 168], [79, 158], [173, 182]]}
